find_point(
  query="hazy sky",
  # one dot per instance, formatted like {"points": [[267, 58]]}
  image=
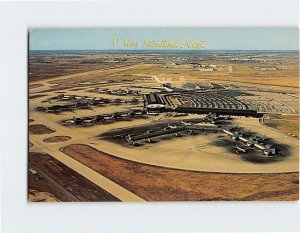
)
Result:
{"points": [[227, 39]]}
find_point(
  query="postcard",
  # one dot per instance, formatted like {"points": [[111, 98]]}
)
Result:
{"points": [[163, 114]]}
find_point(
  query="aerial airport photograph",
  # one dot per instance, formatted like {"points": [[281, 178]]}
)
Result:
{"points": [[175, 114]]}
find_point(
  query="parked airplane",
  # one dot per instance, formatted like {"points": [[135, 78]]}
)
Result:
{"points": [[186, 123]]}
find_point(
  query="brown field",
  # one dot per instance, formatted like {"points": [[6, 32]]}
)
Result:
{"points": [[70, 183], [31, 86], [43, 66], [40, 129], [30, 144], [57, 139], [30, 120], [51, 90], [154, 183], [286, 123], [36, 96]]}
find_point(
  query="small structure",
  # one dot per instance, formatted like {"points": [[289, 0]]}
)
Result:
{"points": [[168, 85], [155, 108]]}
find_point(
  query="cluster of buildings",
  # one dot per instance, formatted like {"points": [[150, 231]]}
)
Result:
{"points": [[266, 68], [196, 66], [120, 92], [197, 103]]}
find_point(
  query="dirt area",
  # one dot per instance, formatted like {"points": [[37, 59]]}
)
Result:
{"points": [[68, 184], [45, 65], [30, 144], [286, 123], [35, 196], [36, 96], [40, 129], [77, 89], [35, 86], [52, 89], [57, 139], [154, 183]]}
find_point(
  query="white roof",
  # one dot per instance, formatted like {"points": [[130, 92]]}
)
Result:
{"points": [[155, 106]]}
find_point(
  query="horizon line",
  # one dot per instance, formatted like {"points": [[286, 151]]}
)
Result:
{"points": [[191, 50]]}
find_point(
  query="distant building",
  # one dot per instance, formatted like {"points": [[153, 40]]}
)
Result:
{"points": [[206, 69], [155, 108], [267, 68], [189, 85], [168, 85]]}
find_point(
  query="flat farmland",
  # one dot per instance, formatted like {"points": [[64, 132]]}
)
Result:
{"points": [[53, 64], [286, 80]]}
